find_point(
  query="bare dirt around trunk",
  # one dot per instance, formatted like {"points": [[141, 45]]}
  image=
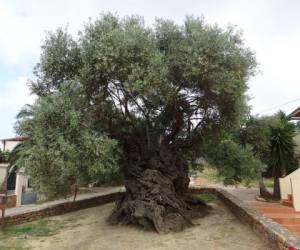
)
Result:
{"points": [[87, 229]]}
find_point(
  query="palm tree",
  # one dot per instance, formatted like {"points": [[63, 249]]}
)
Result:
{"points": [[281, 150]]}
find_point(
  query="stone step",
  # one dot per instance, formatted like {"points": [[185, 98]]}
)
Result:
{"points": [[285, 215], [287, 221], [292, 228], [270, 209], [287, 202]]}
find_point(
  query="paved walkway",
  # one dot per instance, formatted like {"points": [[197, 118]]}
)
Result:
{"points": [[283, 215], [29, 208]]}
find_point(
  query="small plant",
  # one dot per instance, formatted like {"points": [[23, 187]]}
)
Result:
{"points": [[208, 198]]}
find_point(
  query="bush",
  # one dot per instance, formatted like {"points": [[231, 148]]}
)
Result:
{"points": [[63, 149], [4, 156], [236, 163]]}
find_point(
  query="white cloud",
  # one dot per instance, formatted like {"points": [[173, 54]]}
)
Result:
{"points": [[12, 99], [16, 94], [18, 38]]}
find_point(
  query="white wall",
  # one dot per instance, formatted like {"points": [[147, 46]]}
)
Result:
{"points": [[21, 181], [296, 194], [291, 185], [9, 145], [3, 169]]}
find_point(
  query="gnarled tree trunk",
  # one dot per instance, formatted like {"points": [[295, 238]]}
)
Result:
{"points": [[156, 197]]}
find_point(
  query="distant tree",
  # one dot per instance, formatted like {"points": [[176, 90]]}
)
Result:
{"points": [[281, 150], [63, 149], [4, 155], [256, 131], [236, 162], [271, 138], [157, 91]]}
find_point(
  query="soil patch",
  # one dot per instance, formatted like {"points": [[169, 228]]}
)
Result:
{"points": [[87, 229]]}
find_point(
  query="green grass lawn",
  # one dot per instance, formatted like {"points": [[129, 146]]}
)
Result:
{"points": [[207, 197], [16, 234], [39, 228], [211, 175]]}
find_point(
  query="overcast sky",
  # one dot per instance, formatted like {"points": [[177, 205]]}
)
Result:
{"points": [[271, 29]]}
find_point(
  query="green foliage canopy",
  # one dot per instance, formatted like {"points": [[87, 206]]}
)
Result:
{"points": [[63, 149], [237, 163], [160, 87], [170, 82]]}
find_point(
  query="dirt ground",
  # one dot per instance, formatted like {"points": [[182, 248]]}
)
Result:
{"points": [[86, 230]]}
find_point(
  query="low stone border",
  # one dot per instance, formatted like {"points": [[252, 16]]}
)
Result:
{"points": [[60, 208], [11, 200], [273, 233]]}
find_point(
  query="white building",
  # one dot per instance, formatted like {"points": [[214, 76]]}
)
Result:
{"points": [[10, 143], [17, 183]]}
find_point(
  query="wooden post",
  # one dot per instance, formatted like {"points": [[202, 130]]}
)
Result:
{"points": [[3, 199], [75, 191]]}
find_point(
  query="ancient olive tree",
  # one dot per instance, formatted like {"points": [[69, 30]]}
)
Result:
{"points": [[157, 91]]}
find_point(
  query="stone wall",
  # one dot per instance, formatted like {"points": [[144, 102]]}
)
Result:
{"points": [[11, 200], [60, 208], [270, 231]]}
